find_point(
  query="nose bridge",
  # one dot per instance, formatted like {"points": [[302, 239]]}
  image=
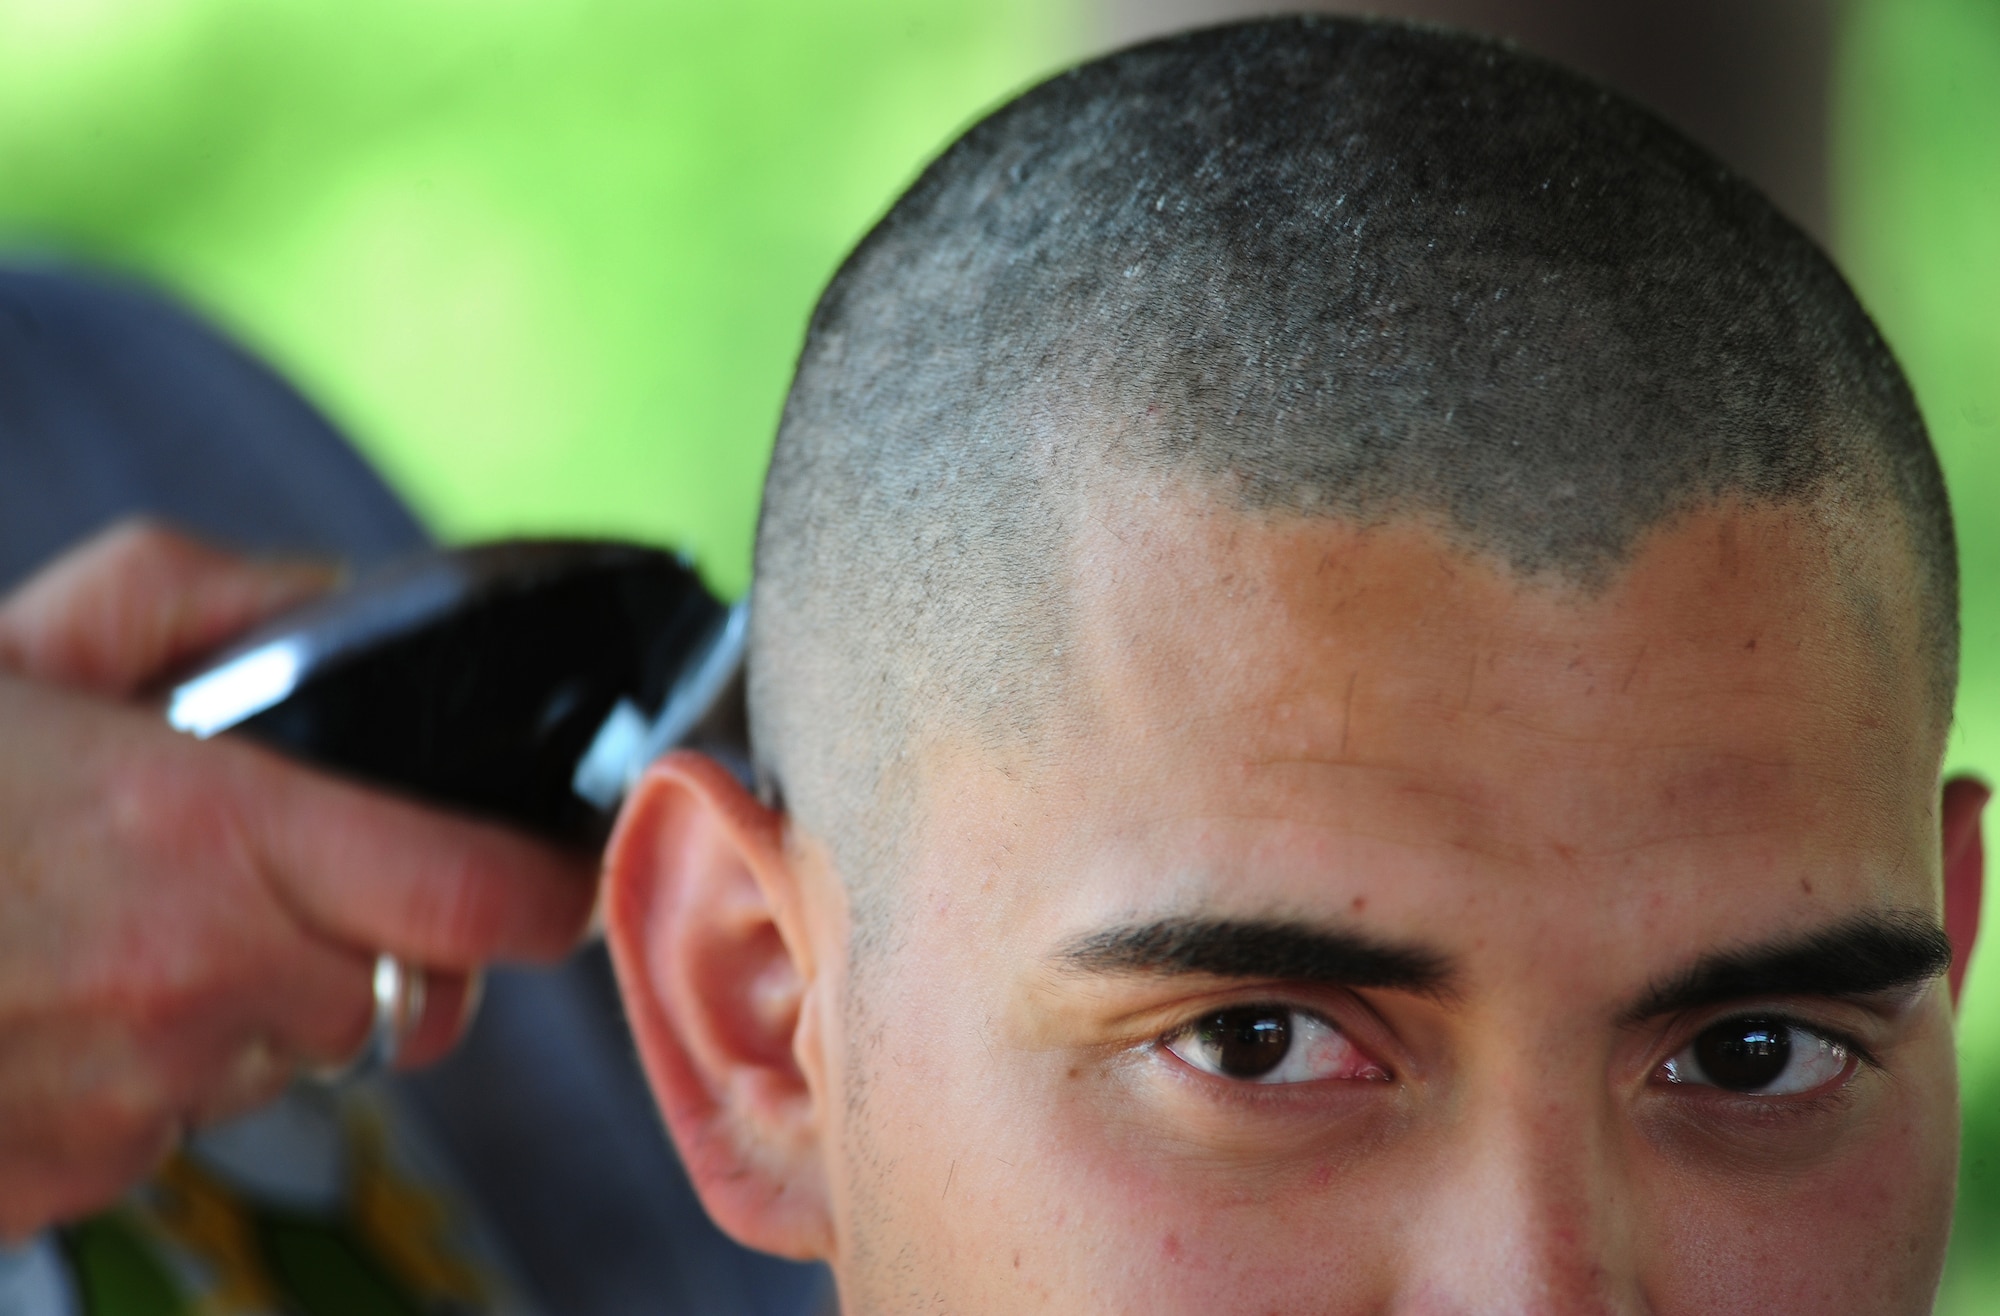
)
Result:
{"points": [[1530, 1210]]}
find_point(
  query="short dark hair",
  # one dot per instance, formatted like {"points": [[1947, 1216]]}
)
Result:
{"points": [[1321, 267]]}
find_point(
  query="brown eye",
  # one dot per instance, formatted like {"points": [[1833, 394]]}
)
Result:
{"points": [[1248, 1042], [1766, 1057], [1269, 1044], [1745, 1055]]}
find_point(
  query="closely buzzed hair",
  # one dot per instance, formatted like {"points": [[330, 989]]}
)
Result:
{"points": [[1314, 267]]}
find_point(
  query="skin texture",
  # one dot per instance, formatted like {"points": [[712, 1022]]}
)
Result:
{"points": [[1564, 800], [183, 923]]}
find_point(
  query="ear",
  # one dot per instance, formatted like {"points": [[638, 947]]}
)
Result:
{"points": [[1964, 870], [706, 926]]}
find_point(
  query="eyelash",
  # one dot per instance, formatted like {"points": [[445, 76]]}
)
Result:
{"points": [[1838, 1036]]}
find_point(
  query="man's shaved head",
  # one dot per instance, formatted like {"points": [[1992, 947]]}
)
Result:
{"points": [[1306, 268], [1355, 637]]}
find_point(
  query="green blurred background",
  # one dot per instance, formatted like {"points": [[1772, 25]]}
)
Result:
{"points": [[548, 260], [1917, 226]]}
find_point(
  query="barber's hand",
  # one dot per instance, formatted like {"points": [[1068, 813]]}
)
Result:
{"points": [[185, 923]]}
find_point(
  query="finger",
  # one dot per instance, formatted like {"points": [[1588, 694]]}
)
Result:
{"points": [[279, 1000], [449, 1002], [82, 1118], [324, 1027], [445, 1012], [385, 874], [272, 886], [133, 603], [54, 1183], [256, 1074], [315, 1014]]}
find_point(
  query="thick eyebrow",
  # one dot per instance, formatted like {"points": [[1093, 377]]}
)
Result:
{"points": [[1862, 956], [1281, 949]]}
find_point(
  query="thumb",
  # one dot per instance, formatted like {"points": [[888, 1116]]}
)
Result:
{"points": [[383, 873], [129, 605]]}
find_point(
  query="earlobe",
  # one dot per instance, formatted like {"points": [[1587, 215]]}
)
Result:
{"points": [[704, 921], [1964, 870]]}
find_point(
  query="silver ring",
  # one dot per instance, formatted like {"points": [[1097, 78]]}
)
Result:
{"points": [[399, 1007]]}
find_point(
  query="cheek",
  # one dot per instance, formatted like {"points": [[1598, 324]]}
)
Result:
{"points": [[1862, 1234], [1015, 1180], [1113, 1210]]}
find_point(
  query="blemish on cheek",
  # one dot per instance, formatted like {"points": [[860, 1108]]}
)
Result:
{"points": [[1750, 645], [1017, 1261], [1358, 904], [1075, 1072], [1170, 1247], [1322, 1175], [1805, 885]]}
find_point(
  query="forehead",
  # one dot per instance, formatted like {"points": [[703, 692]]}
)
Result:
{"points": [[1279, 715]]}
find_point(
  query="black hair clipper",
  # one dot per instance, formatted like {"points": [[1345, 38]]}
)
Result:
{"points": [[529, 681]]}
